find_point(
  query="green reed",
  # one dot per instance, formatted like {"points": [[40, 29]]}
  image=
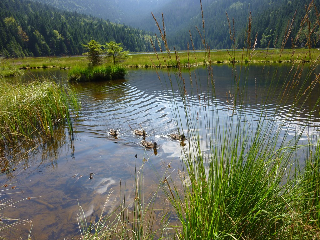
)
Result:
{"points": [[33, 109], [303, 201], [249, 185], [98, 73]]}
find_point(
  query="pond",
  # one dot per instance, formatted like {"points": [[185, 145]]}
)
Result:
{"points": [[84, 168]]}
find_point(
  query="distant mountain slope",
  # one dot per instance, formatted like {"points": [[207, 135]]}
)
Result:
{"points": [[55, 33], [271, 26], [178, 14], [119, 11], [270, 19], [33, 29]]}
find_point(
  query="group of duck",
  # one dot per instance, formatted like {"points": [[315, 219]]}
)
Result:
{"points": [[143, 134]]}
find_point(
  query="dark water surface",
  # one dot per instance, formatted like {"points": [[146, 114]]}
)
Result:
{"points": [[52, 182]]}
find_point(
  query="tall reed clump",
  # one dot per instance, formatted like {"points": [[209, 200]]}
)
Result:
{"points": [[304, 205], [28, 110], [248, 183], [97, 73]]}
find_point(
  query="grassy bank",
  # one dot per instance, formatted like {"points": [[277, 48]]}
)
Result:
{"points": [[193, 58], [28, 110], [98, 73], [8, 70]]}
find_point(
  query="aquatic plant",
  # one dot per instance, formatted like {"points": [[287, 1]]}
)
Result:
{"points": [[98, 73], [28, 110]]}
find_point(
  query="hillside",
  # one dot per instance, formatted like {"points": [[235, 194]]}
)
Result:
{"points": [[270, 19], [124, 11], [33, 29]]}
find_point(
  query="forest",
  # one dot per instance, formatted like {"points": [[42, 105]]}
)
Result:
{"points": [[29, 28], [271, 22], [34, 29], [125, 11]]}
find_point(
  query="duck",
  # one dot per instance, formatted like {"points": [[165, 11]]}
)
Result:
{"points": [[140, 132], [147, 144], [113, 132], [176, 136]]}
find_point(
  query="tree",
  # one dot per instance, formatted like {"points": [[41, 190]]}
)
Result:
{"points": [[115, 51], [94, 54]]}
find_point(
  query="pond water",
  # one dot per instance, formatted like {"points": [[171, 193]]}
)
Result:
{"points": [[84, 168]]}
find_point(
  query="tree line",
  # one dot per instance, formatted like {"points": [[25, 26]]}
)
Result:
{"points": [[34, 29], [271, 23]]}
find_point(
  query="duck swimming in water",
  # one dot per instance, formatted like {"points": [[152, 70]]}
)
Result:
{"points": [[140, 132], [176, 136], [113, 132], [147, 144]]}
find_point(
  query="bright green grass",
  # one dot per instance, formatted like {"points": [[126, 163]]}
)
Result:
{"points": [[250, 186], [7, 70], [98, 73], [193, 58], [33, 108]]}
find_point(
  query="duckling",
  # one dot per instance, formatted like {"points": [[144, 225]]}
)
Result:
{"points": [[176, 136], [147, 144], [140, 132], [113, 132]]}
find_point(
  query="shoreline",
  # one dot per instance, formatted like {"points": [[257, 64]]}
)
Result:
{"points": [[173, 60]]}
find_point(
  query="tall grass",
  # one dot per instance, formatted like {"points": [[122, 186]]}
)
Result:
{"points": [[98, 73], [249, 184], [8, 70], [30, 115], [33, 109], [308, 198]]}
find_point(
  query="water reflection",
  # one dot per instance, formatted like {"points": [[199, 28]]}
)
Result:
{"points": [[62, 173], [160, 107], [18, 156]]}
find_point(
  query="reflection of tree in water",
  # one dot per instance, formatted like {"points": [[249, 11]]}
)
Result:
{"points": [[275, 86], [16, 156], [113, 90]]}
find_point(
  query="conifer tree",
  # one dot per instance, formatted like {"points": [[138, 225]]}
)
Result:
{"points": [[94, 53]]}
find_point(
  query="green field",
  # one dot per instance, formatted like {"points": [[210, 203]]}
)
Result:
{"points": [[185, 58]]}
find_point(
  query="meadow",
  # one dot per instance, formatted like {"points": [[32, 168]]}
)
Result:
{"points": [[163, 60]]}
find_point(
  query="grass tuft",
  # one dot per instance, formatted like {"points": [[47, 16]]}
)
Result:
{"points": [[33, 109], [98, 73]]}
